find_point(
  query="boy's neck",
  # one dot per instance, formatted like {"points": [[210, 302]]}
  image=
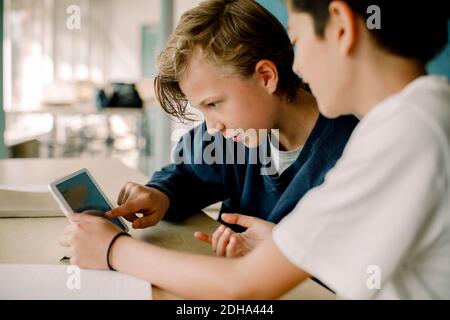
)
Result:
{"points": [[385, 77], [296, 120]]}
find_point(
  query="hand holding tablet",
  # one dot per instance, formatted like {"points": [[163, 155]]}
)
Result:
{"points": [[78, 192]]}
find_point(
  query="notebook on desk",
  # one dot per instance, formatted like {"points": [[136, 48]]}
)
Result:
{"points": [[27, 204], [66, 282]]}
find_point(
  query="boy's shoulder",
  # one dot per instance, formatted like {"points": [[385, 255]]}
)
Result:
{"points": [[414, 121], [424, 100], [429, 96], [423, 108]]}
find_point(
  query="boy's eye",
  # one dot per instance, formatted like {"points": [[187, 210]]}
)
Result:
{"points": [[213, 104]]}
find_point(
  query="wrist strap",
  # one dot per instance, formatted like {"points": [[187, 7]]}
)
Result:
{"points": [[117, 236]]}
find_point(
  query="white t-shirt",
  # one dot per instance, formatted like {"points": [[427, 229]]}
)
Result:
{"points": [[282, 159], [382, 215]]}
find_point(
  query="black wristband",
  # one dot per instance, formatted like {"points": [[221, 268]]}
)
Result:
{"points": [[117, 236]]}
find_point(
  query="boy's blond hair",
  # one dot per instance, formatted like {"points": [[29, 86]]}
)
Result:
{"points": [[234, 35]]}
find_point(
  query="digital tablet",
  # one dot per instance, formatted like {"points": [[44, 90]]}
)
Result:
{"points": [[79, 192]]}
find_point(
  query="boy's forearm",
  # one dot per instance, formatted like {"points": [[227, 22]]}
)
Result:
{"points": [[263, 274], [185, 274]]}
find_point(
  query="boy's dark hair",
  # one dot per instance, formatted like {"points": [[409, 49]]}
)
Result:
{"points": [[411, 29], [234, 35]]}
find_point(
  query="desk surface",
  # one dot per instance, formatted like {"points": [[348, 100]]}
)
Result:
{"points": [[34, 240]]}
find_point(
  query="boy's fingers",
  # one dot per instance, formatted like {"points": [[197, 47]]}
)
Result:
{"points": [[239, 219], [216, 236], [128, 187], [202, 236], [145, 222], [223, 243], [120, 196], [131, 217], [124, 193], [64, 241], [126, 209], [116, 212], [231, 248]]}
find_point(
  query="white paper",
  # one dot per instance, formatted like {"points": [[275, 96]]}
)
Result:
{"points": [[67, 282]]}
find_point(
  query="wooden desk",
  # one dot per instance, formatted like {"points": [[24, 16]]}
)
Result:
{"points": [[34, 240]]}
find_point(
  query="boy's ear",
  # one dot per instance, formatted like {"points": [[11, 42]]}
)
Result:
{"points": [[267, 72], [342, 26]]}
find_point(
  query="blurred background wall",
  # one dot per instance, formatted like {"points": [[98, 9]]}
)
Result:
{"points": [[55, 66]]}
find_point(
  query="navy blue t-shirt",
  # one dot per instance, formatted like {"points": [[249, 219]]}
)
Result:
{"points": [[240, 179]]}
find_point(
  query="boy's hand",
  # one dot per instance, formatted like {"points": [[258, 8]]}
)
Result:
{"points": [[135, 198], [87, 240], [226, 242]]}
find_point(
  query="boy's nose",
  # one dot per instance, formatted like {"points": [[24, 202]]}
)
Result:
{"points": [[296, 67], [220, 127], [214, 127]]}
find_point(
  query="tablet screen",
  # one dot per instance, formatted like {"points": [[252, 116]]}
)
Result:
{"points": [[81, 194]]}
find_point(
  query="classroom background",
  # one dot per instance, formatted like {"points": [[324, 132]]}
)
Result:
{"points": [[78, 79]]}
